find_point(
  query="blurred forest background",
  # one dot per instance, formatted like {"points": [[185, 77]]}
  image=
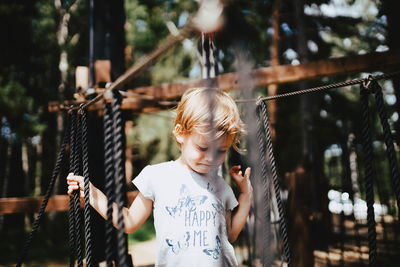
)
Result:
{"points": [[44, 41]]}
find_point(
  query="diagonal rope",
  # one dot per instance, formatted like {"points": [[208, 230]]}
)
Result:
{"points": [[267, 235], [119, 177], [144, 61], [87, 212], [109, 182], [369, 175], [56, 170], [271, 161], [321, 88]]}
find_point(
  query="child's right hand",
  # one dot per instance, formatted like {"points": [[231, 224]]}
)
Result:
{"points": [[75, 182]]}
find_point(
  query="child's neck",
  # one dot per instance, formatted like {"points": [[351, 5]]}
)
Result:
{"points": [[182, 162]]}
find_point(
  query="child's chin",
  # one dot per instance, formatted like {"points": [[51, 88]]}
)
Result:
{"points": [[202, 169]]}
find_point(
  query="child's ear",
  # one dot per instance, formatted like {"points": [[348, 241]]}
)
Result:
{"points": [[178, 133]]}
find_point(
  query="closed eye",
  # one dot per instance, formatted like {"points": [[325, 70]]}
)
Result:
{"points": [[203, 149], [221, 151]]}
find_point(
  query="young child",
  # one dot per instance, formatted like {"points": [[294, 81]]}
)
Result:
{"points": [[196, 215]]}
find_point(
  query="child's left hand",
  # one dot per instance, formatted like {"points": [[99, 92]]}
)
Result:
{"points": [[243, 182]]}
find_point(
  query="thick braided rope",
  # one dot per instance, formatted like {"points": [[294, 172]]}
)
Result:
{"points": [[267, 235], [207, 54], [210, 94], [77, 202], [71, 217], [271, 160], [109, 182], [369, 173], [46, 197], [119, 177], [87, 215], [391, 153]]}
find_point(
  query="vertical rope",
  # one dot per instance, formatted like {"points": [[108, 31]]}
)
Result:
{"points": [[50, 187], [87, 215], [119, 177], [267, 236], [271, 160], [71, 218], [207, 55], [207, 74], [109, 182], [369, 174], [77, 202], [391, 153]]}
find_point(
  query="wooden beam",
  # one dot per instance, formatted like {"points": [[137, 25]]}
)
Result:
{"points": [[376, 61], [284, 74], [32, 204]]}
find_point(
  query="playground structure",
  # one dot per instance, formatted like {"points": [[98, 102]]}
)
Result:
{"points": [[159, 97]]}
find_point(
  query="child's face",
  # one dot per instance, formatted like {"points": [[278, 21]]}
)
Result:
{"points": [[196, 151]]}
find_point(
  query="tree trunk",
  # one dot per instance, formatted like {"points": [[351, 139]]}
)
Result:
{"points": [[16, 185], [300, 217]]}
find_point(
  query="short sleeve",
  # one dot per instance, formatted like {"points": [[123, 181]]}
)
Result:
{"points": [[144, 183], [230, 199]]}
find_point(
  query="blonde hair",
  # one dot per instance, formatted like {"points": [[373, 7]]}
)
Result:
{"points": [[193, 114]]}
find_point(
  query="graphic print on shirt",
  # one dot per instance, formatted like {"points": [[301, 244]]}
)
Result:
{"points": [[210, 188], [178, 245], [218, 206], [198, 215], [186, 201], [214, 252]]}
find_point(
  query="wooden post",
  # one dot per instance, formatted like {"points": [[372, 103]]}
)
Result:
{"points": [[103, 72], [304, 188], [300, 218], [274, 50], [81, 78]]}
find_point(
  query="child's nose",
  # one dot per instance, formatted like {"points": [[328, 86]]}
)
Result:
{"points": [[209, 155]]}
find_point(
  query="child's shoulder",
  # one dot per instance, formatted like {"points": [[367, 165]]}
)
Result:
{"points": [[163, 166]]}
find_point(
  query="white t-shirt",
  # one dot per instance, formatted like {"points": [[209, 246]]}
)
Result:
{"points": [[189, 215]]}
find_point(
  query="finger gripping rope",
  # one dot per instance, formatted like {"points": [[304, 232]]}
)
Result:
{"points": [[87, 214], [60, 158], [369, 174], [271, 161]]}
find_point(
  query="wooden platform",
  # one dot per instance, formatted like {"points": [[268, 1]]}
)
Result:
{"points": [[32, 204]]}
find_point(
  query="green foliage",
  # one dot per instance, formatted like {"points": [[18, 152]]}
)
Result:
{"points": [[152, 140], [15, 106], [145, 232]]}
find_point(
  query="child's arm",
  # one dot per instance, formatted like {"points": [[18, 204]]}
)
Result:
{"points": [[237, 219], [134, 217]]}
